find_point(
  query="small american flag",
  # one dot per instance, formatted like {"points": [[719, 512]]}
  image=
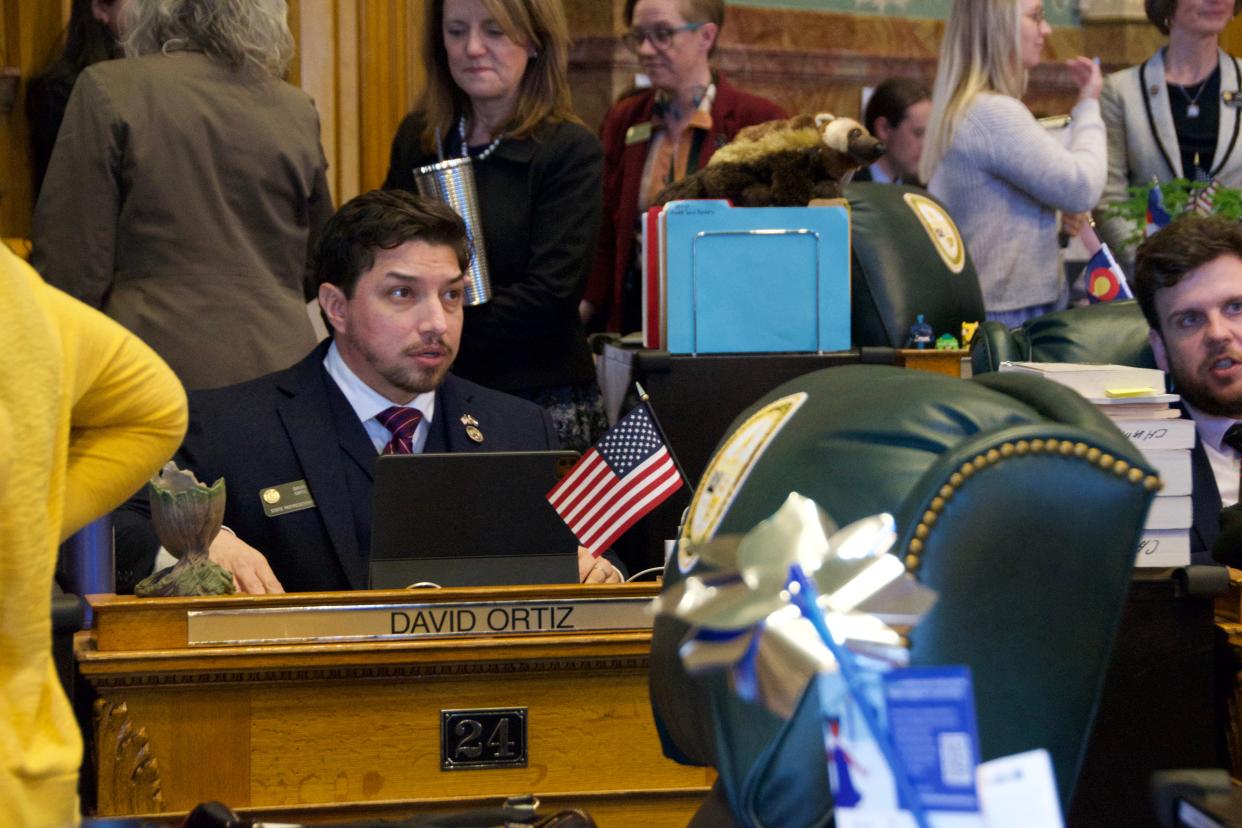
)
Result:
{"points": [[624, 476], [1204, 200]]}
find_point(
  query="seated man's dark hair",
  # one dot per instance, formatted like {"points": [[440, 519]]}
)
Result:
{"points": [[382, 220], [1189, 241], [891, 99]]}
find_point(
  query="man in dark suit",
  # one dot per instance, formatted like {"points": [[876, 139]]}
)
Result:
{"points": [[297, 448], [897, 114], [1188, 281]]}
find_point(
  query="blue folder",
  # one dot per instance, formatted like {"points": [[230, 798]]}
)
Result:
{"points": [[756, 279]]}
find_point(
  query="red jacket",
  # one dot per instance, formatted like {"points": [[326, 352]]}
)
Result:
{"points": [[732, 110]]}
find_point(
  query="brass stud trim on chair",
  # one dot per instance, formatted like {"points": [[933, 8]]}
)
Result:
{"points": [[1065, 448]]}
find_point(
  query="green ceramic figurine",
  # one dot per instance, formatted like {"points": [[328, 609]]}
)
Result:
{"points": [[187, 515]]}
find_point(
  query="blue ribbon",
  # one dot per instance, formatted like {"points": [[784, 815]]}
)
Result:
{"points": [[802, 595]]}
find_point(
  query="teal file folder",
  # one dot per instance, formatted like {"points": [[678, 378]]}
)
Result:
{"points": [[757, 279]]}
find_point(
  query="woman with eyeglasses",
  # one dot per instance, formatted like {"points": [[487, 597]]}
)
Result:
{"points": [[1001, 175], [497, 91], [1174, 115], [657, 136]]}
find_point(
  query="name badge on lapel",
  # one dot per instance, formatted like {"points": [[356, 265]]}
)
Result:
{"points": [[638, 133], [286, 498], [1231, 99]]}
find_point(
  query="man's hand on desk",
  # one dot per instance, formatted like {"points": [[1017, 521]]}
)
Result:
{"points": [[593, 570], [251, 572]]}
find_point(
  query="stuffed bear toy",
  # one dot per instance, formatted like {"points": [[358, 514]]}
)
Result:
{"points": [[782, 163]]}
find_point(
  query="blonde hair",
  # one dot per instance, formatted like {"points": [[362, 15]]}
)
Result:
{"points": [[981, 52], [239, 33], [543, 94]]}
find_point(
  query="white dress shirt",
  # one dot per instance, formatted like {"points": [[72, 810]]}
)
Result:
{"points": [[878, 175], [367, 402], [1225, 461]]}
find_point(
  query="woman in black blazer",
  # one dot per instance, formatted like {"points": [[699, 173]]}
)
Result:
{"points": [[497, 90]]}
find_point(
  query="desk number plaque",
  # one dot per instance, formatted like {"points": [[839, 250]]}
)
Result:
{"points": [[488, 738]]}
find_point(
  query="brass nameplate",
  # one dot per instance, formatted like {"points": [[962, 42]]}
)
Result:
{"points": [[364, 622]]}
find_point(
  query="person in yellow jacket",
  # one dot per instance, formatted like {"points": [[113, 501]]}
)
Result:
{"points": [[87, 413]]}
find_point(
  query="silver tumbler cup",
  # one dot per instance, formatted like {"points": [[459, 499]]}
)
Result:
{"points": [[452, 182]]}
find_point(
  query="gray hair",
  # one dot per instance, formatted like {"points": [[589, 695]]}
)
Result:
{"points": [[239, 33]]}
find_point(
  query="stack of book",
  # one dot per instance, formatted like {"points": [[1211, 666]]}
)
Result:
{"points": [[1134, 399]]}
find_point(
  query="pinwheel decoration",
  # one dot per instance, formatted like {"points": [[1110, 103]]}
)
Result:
{"points": [[795, 597]]}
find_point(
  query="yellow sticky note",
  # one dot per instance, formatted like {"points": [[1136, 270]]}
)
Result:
{"points": [[1119, 393]]}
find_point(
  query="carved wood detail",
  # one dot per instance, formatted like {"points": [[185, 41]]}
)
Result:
{"points": [[378, 671], [124, 756]]}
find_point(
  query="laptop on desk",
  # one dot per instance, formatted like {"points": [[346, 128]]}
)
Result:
{"points": [[472, 519]]}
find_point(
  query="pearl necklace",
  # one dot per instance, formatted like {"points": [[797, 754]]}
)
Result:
{"points": [[465, 149]]}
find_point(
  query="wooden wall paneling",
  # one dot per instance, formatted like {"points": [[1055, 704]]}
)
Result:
{"points": [[600, 67], [415, 75], [348, 119], [315, 24], [807, 61], [1231, 39], [293, 16], [29, 37], [384, 94]]}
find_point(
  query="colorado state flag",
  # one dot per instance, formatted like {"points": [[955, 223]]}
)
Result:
{"points": [[1105, 280]]}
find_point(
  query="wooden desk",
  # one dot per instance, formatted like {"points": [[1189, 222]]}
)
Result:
{"points": [[935, 360], [350, 730]]}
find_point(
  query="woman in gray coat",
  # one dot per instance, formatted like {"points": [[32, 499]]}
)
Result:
{"points": [[187, 186]]}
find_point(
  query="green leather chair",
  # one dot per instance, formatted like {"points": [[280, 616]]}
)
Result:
{"points": [[997, 485], [1110, 332], [898, 269]]}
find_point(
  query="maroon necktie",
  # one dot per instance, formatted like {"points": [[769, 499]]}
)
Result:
{"points": [[402, 422]]}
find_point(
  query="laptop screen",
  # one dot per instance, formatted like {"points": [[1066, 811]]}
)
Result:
{"points": [[470, 519]]}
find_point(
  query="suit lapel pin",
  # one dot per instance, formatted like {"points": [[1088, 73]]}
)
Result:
{"points": [[472, 428], [1154, 90]]}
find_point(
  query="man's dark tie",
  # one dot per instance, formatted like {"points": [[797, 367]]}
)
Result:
{"points": [[1233, 437], [402, 422]]}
